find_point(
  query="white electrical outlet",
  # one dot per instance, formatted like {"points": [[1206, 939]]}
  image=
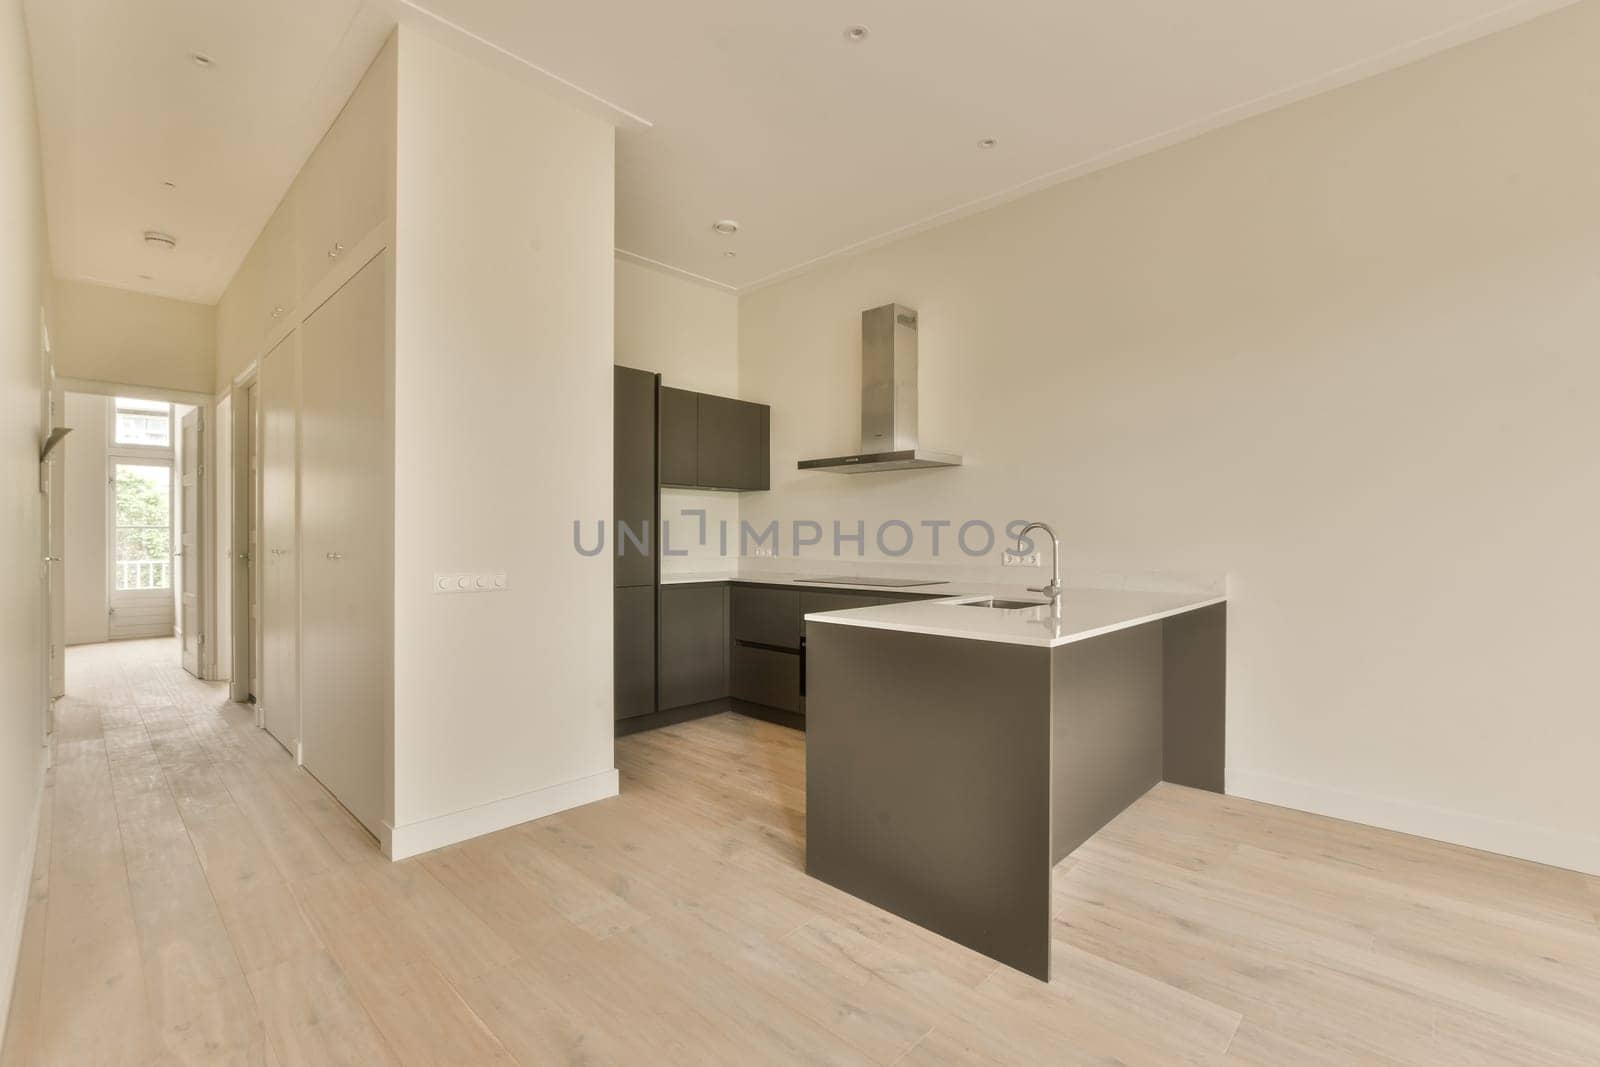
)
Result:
{"points": [[491, 582], [1019, 559]]}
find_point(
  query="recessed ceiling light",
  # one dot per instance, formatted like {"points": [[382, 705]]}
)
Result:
{"points": [[987, 142], [201, 60], [726, 227], [856, 33], [164, 242]]}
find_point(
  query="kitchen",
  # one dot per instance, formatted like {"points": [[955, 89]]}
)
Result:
{"points": [[873, 663]]}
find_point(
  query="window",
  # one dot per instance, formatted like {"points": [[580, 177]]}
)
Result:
{"points": [[143, 501], [143, 423]]}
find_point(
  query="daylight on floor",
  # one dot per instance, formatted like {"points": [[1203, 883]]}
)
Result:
{"points": [[758, 534]]}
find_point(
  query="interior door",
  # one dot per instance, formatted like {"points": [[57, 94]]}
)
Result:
{"points": [[279, 697], [250, 508], [189, 541], [347, 534]]}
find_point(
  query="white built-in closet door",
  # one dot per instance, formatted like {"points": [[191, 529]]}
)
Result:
{"points": [[279, 564], [347, 536]]}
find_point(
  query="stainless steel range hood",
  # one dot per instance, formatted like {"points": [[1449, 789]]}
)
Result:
{"points": [[888, 400]]}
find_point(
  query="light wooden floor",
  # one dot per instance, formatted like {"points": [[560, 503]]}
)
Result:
{"points": [[198, 899]]}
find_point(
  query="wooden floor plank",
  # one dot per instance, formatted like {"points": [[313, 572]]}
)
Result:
{"points": [[198, 898]]}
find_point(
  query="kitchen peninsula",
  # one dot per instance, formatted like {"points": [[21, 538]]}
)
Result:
{"points": [[958, 748]]}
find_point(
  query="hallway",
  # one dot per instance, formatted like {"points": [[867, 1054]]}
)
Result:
{"points": [[170, 828]]}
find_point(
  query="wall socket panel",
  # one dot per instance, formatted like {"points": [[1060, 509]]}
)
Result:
{"points": [[1019, 559], [491, 582]]}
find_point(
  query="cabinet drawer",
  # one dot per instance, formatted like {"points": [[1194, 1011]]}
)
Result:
{"points": [[766, 616], [811, 603], [765, 676]]}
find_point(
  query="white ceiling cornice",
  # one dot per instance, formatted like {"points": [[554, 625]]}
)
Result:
{"points": [[421, 17]]}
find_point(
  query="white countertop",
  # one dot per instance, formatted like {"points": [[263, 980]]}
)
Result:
{"points": [[1085, 613]]}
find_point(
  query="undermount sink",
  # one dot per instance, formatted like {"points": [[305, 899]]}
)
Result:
{"points": [[994, 602]]}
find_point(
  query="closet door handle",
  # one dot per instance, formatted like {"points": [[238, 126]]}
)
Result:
{"points": [[336, 555], [333, 253]]}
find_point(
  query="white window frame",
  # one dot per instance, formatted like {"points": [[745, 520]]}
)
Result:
{"points": [[115, 407], [148, 456]]}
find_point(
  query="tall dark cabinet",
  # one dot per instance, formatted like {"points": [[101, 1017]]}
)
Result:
{"points": [[674, 654], [634, 573]]}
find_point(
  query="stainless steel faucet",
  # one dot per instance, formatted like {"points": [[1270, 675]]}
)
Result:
{"points": [[1053, 590]]}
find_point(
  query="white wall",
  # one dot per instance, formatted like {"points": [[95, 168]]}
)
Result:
{"points": [[24, 284], [85, 554], [1345, 352], [502, 385], [119, 337], [688, 332]]}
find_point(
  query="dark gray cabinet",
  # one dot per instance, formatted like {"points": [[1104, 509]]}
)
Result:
{"points": [[732, 444], [680, 428], [634, 650], [714, 442], [766, 615], [694, 644], [812, 603], [633, 492], [633, 574], [766, 676]]}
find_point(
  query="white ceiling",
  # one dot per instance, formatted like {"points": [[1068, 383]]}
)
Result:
{"points": [[122, 109], [756, 110]]}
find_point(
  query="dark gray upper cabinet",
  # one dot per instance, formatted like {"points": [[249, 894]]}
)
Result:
{"points": [[633, 492], [733, 446], [680, 423], [694, 644], [714, 442]]}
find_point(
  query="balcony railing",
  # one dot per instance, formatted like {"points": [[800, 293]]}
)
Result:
{"points": [[134, 574]]}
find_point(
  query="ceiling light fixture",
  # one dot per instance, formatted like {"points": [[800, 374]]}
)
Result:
{"points": [[987, 142], [158, 240], [856, 34], [201, 60], [726, 227]]}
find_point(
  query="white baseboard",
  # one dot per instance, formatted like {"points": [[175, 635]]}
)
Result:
{"points": [[1558, 848], [16, 913], [415, 838]]}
